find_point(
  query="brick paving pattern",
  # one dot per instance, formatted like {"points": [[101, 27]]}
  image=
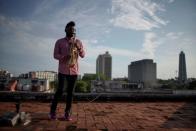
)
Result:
{"points": [[112, 116]]}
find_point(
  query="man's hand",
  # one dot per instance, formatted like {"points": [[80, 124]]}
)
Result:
{"points": [[75, 42], [78, 46], [71, 40]]}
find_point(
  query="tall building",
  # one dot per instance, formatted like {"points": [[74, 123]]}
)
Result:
{"points": [[143, 71], [182, 76], [104, 65]]}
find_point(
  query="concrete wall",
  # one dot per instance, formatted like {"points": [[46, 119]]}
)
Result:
{"points": [[136, 95]]}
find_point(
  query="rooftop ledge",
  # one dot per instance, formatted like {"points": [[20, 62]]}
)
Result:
{"points": [[136, 95]]}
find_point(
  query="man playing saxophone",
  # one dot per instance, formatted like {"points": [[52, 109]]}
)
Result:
{"points": [[66, 51]]}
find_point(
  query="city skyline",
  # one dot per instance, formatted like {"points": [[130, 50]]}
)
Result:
{"points": [[129, 30]]}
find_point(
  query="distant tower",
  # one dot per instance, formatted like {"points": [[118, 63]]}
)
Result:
{"points": [[182, 76], [104, 65]]}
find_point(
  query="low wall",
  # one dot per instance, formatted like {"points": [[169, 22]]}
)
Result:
{"points": [[129, 96]]}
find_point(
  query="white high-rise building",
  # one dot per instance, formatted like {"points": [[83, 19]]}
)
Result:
{"points": [[104, 65], [182, 75], [143, 71]]}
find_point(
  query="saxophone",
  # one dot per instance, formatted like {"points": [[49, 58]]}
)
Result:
{"points": [[73, 53]]}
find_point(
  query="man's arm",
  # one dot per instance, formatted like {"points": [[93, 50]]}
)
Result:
{"points": [[57, 54], [80, 49]]}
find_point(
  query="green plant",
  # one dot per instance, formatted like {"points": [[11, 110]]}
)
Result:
{"points": [[81, 86]]}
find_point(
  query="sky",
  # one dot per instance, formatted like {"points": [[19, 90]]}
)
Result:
{"points": [[130, 30]]}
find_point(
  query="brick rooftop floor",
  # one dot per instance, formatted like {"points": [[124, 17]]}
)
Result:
{"points": [[109, 116]]}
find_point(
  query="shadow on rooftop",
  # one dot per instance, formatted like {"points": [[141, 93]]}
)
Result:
{"points": [[184, 117]]}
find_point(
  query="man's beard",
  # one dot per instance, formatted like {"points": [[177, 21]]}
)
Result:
{"points": [[70, 35]]}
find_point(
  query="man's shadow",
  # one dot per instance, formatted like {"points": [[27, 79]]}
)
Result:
{"points": [[184, 117]]}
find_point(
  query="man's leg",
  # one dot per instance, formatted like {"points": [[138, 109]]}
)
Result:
{"points": [[58, 93], [71, 80]]}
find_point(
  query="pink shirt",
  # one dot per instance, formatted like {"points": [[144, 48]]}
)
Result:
{"points": [[61, 51]]}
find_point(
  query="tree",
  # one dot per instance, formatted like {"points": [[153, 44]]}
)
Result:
{"points": [[102, 77], [89, 77], [192, 85], [81, 86]]}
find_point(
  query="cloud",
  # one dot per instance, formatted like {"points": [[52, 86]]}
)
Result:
{"points": [[176, 41], [150, 44], [11, 24], [28, 43], [120, 57], [23, 47], [174, 35], [136, 14], [167, 56], [35, 48], [171, 1], [24, 37], [44, 7], [94, 50]]}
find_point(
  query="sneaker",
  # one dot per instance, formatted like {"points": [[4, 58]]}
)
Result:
{"points": [[52, 116], [67, 117]]}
